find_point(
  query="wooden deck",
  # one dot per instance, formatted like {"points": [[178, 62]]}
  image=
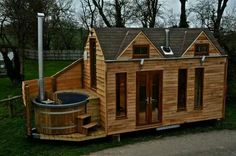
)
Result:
{"points": [[99, 133]]}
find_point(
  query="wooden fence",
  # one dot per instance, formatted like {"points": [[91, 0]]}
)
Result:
{"points": [[11, 103], [55, 54]]}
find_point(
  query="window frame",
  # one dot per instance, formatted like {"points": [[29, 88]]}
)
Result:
{"points": [[118, 96], [141, 55], [181, 90], [198, 103], [201, 53], [93, 61]]}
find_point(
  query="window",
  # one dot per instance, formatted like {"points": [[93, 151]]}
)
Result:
{"points": [[121, 94], [198, 95], [182, 89], [201, 49], [93, 76], [140, 51]]}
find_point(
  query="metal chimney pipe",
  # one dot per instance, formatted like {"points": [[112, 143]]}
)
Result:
{"points": [[167, 38], [40, 56]]}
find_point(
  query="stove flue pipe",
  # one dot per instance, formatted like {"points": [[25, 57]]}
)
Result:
{"points": [[40, 56]]}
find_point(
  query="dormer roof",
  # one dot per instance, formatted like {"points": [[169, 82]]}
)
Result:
{"points": [[114, 41]]}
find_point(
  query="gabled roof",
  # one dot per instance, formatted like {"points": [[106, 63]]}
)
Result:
{"points": [[114, 40]]}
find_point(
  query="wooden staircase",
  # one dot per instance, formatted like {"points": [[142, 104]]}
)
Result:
{"points": [[85, 124]]}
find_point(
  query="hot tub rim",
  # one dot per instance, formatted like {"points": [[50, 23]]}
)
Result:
{"points": [[65, 105]]}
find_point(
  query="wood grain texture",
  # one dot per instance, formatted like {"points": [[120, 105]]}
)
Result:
{"points": [[214, 82], [101, 78], [202, 39], [141, 39]]}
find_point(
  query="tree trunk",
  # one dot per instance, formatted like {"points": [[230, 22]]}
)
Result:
{"points": [[153, 13], [13, 69], [220, 10], [100, 9], [183, 19], [118, 16]]}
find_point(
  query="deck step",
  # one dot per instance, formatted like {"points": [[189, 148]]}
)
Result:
{"points": [[86, 128], [83, 120], [83, 116]]}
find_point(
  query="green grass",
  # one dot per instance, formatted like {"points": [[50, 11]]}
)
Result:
{"points": [[31, 72], [13, 140]]}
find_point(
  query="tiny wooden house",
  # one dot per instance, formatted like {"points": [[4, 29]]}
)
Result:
{"points": [[149, 78]]}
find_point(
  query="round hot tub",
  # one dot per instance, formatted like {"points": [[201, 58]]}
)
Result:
{"points": [[60, 117]]}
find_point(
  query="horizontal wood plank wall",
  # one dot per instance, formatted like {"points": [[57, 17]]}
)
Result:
{"points": [[70, 77], [202, 39], [101, 76], [140, 40], [212, 96], [33, 88]]}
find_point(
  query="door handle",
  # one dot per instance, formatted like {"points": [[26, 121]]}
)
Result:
{"points": [[152, 100]]}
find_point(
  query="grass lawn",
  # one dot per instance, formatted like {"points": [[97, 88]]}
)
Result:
{"points": [[31, 72], [14, 142]]}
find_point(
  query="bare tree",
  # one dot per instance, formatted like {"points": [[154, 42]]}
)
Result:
{"points": [[100, 6], [89, 13], [183, 18], [210, 13], [229, 21], [203, 13], [113, 13], [146, 12], [217, 20], [171, 19], [18, 19]]}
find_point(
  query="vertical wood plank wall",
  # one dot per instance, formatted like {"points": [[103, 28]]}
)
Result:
{"points": [[101, 76], [213, 92]]}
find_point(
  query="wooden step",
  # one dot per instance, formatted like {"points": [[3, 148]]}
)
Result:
{"points": [[83, 116], [83, 120], [86, 128]]}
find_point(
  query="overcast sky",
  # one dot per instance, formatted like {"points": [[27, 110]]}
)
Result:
{"points": [[174, 4]]}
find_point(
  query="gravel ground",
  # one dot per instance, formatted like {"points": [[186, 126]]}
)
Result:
{"points": [[213, 143]]}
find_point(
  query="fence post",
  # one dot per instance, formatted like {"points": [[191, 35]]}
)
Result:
{"points": [[10, 107], [28, 110]]}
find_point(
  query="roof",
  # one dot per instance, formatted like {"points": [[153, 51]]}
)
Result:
{"points": [[114, 41]]}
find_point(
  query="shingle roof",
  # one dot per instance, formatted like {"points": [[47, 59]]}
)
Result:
{"points": [[114, 40]]}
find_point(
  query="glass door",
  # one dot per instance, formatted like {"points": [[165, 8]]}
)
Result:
{"points": [[149, 93], [141, 98], [155, 82]]}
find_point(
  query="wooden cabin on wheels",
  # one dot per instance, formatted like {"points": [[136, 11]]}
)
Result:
{"points": [[135, 79]]}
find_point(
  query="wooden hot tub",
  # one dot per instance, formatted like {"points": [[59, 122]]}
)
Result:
{"points": [[60, 118]]}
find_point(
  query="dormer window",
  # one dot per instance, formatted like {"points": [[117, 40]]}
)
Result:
{"points": [[201, 49], [140, 51]]}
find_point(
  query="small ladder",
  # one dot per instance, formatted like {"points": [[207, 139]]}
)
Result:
{"points": [[85, 124]]}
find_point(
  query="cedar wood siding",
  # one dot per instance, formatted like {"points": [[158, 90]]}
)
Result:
{"points": [[202, 39], [140, 39], [100, 73], [213, 91]]}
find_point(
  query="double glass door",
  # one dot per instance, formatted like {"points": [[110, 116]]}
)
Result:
{"points": [[149, 97]]}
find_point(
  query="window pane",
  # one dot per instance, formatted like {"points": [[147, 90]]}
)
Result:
{"points": [[182, 89], [140, 51], [199, 78], [93, 62], [121, 94], [201, 49]]}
